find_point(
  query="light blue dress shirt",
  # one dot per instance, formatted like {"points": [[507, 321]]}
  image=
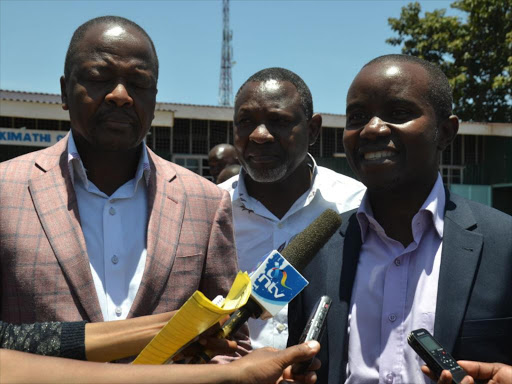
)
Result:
{"points": [[115, 229], [395, 292]]}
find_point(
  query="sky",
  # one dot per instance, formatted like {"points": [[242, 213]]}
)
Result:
{"points": [[324, 42]]}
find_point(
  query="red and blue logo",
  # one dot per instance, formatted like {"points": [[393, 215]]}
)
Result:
{"points": [[275, 274], [275, 282]]}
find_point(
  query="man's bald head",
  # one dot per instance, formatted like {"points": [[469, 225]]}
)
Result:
{"points": [[80, 32], [220, 157]]}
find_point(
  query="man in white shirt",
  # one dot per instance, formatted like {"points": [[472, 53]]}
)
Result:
{"points": [[280, 189]]}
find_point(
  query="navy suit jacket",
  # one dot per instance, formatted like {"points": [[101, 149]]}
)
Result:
{"points": [[474, 303]]}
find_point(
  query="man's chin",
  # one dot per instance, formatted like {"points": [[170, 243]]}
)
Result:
{"points": [[267, 175]]}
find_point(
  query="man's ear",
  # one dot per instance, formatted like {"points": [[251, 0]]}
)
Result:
{"points": [[63, 93], [314, 126], [447, 131]]}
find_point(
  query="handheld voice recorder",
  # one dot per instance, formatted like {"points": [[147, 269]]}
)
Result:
{"points": [[313, 330], [434, 355]]}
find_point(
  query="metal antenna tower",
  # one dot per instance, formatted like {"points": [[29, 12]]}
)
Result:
{"points": [[225, 84]]}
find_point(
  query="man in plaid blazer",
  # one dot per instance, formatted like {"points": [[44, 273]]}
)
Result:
{"points": [[173, 227]]}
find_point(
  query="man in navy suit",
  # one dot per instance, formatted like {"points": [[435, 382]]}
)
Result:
{"points": [[412, 255]]}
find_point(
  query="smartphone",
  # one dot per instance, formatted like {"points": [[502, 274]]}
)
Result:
{"points": [[434, 355], [313, 330]]}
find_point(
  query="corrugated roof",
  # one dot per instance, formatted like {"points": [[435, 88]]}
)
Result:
{"points": [[52, 98]]}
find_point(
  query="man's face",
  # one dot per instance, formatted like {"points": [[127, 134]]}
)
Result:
{"points": [[220, 158], [111, 91], [391, 136], [271, 130], [216, 165]]}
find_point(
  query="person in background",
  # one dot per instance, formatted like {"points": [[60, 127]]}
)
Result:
{"points": [[228, 172], [413, 255], [280, 189], [219, 157], [98, 227]]}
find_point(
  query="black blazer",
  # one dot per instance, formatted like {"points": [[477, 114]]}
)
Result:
{"points": [[474, 301]]}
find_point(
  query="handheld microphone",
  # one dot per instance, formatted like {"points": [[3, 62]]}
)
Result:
{"points": [[296, 255]]}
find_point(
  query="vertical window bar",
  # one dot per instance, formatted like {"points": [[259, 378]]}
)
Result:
{"points": [[171, 141], [190, 136], [321, 142], [208, 145]]}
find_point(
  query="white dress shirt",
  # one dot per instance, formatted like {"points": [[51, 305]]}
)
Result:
{"points": [[258, 231], [395, 292], [115, 229]]}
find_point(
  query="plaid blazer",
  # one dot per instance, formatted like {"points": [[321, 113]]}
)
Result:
{"points": [[44, 267]]}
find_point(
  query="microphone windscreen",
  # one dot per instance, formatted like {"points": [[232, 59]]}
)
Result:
{"points": [[301, 250]]}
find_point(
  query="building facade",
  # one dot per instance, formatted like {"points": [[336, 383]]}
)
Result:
{"points": [[478, 165]]}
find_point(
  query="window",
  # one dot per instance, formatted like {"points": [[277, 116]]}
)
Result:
{"points": [[65, 125], [339, 141], [6, 122], [48, 125], [218, 133], [21, 122], [160, 141], [195, 163], [200, 136], [452, 174], [328, 141], [181, 136]]}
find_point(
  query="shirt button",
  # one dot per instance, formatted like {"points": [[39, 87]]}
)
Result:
{"points": [[280, 327], [115, 259], [390, 378], [119, 311], [397, 262], [392, 317], [112, 211], [280, 225]]}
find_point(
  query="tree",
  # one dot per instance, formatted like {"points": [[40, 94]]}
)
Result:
{"points": [[474, 51]]}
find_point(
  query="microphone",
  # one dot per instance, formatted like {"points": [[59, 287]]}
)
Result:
{"points": [[267, 298]]}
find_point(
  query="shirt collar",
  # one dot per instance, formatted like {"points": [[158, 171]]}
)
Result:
{"points": [[76, 166], [434, 205]]}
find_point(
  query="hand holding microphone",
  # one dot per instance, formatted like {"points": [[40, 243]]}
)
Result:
{"points": [[277, 281]]}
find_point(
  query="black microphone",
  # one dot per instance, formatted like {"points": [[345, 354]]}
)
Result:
{"points": [[299, 253]]}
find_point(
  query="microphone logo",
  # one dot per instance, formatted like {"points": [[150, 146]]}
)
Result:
{"points": [[275, 283], [275, 272]]}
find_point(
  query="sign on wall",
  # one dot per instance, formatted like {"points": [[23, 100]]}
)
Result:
{"points": [[30, 137]]}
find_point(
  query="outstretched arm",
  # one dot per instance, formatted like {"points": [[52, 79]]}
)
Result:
{"points": [[262, 366], [102, 342], [115, 340]]}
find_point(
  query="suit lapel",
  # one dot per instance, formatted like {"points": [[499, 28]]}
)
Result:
{"points": [[340, 280], [55, 203], [459, 263], [166, 207]]}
